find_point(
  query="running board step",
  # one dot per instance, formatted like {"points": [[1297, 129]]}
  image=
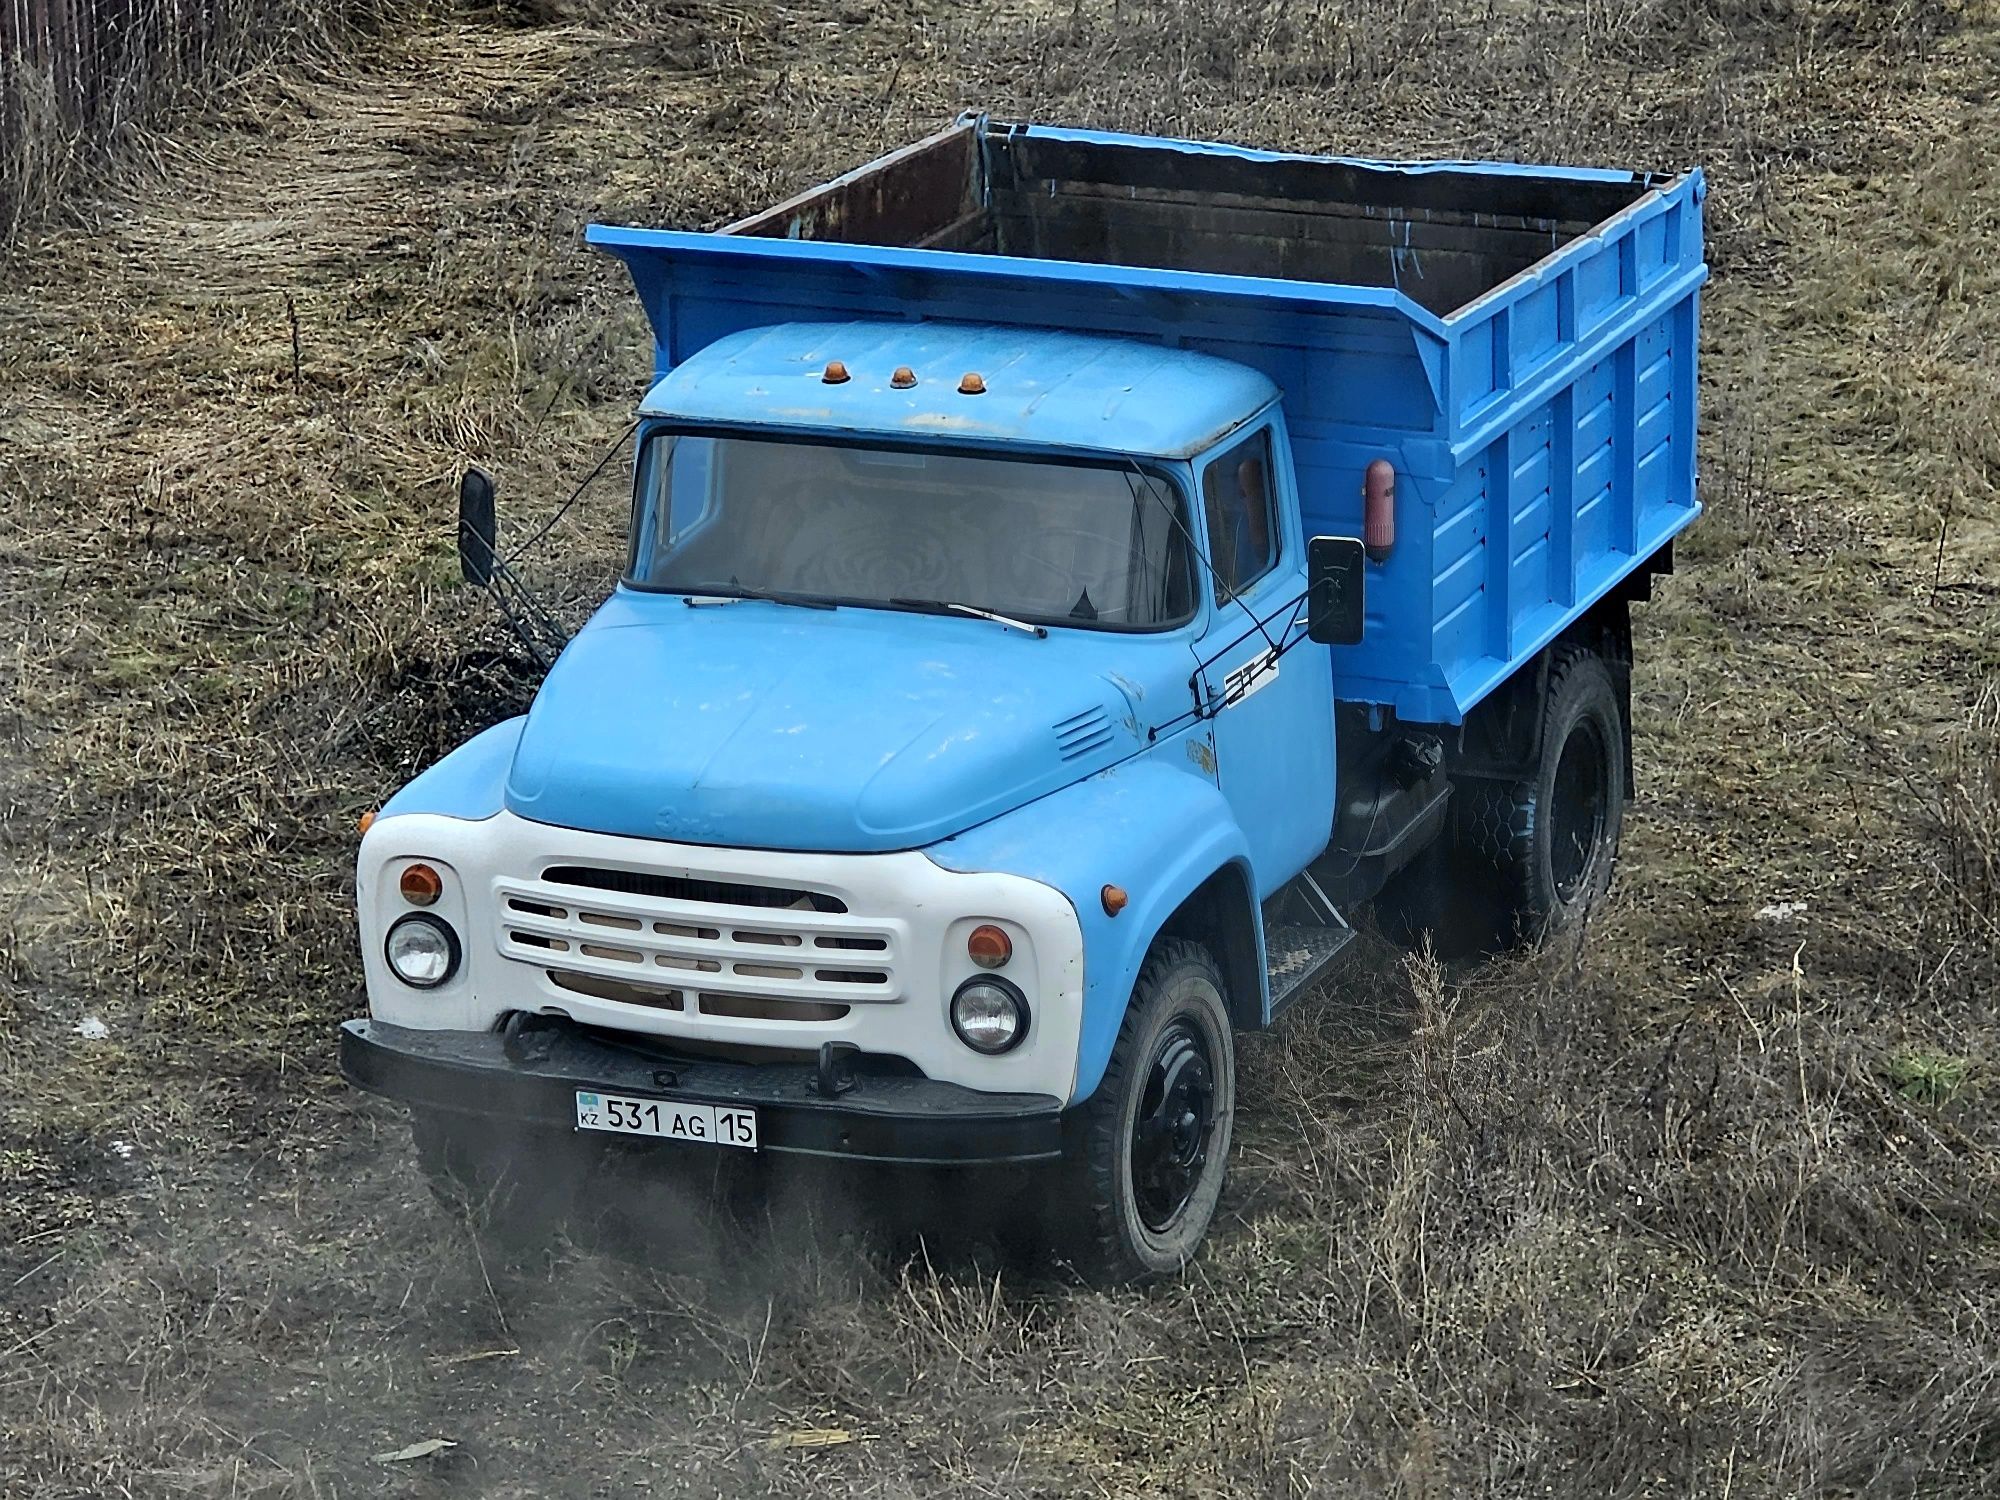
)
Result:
{"points": [[1298, 957]]}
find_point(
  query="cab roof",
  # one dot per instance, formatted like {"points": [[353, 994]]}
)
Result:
{"points": [[1061, 391]]}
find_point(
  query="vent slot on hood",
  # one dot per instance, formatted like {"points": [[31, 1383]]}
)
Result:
{"points": [[1081, 734]]}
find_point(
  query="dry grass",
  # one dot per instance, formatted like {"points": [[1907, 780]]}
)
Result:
{"points": [[1704, 1206], [87, 88]]}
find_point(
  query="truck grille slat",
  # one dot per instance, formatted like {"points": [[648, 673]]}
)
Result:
{"points": [[605, 927], [689, 888]]}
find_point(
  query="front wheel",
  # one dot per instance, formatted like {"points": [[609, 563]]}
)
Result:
{"points": [[1146, 1173]]}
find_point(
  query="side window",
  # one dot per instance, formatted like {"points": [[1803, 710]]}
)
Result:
{"points": [[1242, 522]]}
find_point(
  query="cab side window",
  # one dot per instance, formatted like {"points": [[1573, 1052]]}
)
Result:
{"points": [[1242, 522]]}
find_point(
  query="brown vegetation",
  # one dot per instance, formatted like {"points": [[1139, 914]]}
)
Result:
{"points": [[1702, 1205], [85, 84]]}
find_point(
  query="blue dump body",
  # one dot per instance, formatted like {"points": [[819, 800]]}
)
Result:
{"points": [[1518, 341]]}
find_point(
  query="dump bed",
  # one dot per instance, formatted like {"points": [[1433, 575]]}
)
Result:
{"points": [[1518, 341]]}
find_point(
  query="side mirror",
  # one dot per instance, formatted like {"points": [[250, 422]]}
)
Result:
{"points": [[477, 549], [1334, 602]]}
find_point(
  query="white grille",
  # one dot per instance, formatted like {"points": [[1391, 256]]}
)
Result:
{"points": [[793, 952]]}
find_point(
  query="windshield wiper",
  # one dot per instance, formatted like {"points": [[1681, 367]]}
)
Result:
{"points": [[952, 607], [718, 593]]}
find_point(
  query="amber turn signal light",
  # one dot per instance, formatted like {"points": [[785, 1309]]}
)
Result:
{"points": [[367, 820], [989, 946], [1114, 899], [420, 885]]}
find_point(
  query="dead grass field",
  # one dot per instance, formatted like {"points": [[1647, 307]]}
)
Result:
{"points": [[1707, 1206]]}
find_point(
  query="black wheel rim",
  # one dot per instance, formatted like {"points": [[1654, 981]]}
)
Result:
{"points": [[1171, 1130], [1577, 809]]}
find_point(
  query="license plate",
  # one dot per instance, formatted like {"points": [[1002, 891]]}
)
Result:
{"points": [[669, 1119]]}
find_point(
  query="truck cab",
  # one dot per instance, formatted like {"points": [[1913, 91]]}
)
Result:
{"points": [[962, 760]]}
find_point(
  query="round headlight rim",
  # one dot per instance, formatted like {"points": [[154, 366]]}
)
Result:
{"points": [[1014, 993], [454, 953]]}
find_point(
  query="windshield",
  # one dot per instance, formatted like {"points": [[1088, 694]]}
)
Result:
{"points": [[1090, 545]]}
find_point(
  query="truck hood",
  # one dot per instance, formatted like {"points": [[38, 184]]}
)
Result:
{"points": [[770, 726]]}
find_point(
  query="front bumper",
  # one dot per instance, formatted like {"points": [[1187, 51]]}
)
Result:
{"points": [[916, 1121]]}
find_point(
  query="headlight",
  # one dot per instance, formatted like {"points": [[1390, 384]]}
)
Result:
{"points": [[422, 951], [989, 1014]]}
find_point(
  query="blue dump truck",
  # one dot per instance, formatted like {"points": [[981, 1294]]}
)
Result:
{"points": [[1070, 574]]}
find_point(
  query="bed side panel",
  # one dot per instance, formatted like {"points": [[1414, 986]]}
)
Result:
{"points": [[928, 195], [1570, 406], [1360, 393]]}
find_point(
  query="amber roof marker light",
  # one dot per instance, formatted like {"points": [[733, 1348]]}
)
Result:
{"points": [[835, 373], [972, 383], [904, 378]]}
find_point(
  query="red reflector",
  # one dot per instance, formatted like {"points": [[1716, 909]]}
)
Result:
{"points": [[1378, 509], [989, 947]]}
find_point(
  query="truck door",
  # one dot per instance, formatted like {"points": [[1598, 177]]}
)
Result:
{"points": [[1273, 719]]}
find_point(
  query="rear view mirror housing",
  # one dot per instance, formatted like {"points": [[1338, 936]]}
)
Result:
{"points": [[1335, 593], [477, 549]]}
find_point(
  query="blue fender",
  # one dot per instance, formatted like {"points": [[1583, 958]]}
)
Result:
{"points": [[1147, 826], [469, 783]]}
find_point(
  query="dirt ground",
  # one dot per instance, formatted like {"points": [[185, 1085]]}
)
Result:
{"points": [[1707, 1205]]}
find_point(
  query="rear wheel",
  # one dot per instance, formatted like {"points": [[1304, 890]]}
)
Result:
{"points": [[1147, 1171], [1554, 834]]}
